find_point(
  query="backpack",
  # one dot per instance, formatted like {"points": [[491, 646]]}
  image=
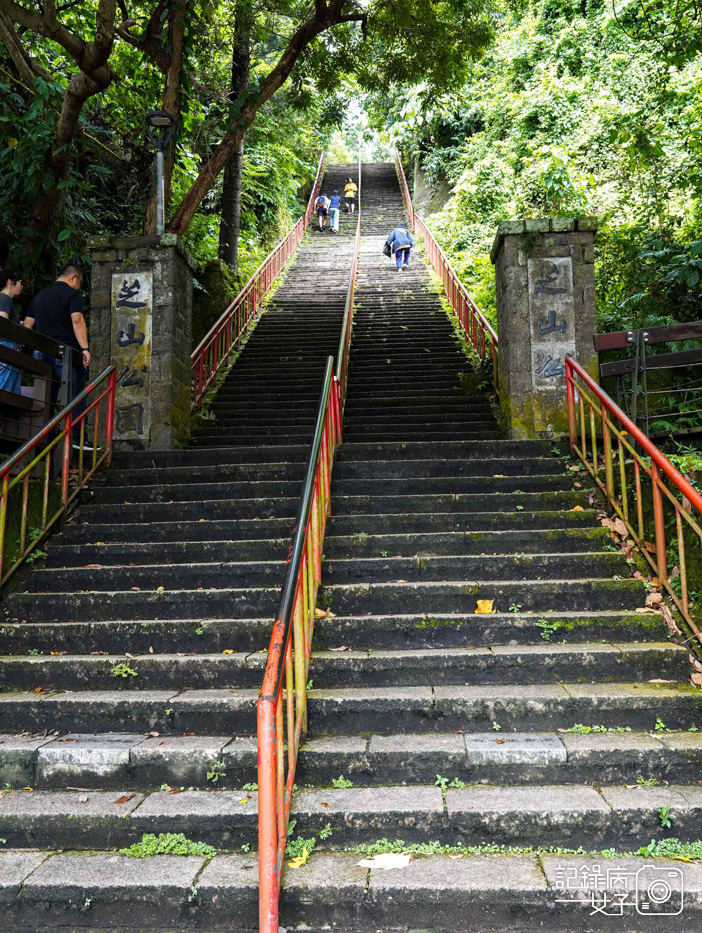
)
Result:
{"points": [[321, 201]]}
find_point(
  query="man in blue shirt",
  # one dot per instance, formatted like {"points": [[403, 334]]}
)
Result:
{"points": [[334, 209], [400, 242]]}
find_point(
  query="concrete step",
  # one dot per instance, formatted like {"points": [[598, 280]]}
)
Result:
{"points": [[526, 815], [488, 891], [399, 631], [437, 503], [134, 762], [433, 598], [526, 664]]}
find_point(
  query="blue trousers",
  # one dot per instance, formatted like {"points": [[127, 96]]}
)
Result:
{"points": [[10, 377], [403, 250]]}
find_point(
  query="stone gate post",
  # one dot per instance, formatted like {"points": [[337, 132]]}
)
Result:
{"points": [[141, 320], [545, 279]]}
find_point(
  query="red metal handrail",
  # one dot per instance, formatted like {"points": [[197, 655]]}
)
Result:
{"points": [[212, 353], [99, 400], [593, 417], [342, 355], [475, 326], [282, 702]]}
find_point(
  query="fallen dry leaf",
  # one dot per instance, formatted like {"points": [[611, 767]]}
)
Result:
{"points": [[696, 679], [485, 606], [654, 599], [388, 861], [645, 609], [228, 651], [124, 798], [577, 508], [341, 648]]}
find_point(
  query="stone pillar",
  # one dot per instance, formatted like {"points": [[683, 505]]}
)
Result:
{"points": [[545, 279], [141, 320]]}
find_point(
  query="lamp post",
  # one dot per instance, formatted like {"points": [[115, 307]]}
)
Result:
{"points": [[160, 126]]}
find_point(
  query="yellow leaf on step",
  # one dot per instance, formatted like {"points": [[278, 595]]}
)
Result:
{"points": [[577, 508], [485, 606], [299, 860], [228, 651]]}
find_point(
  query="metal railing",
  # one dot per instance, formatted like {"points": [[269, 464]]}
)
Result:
{"points": [[342, 356], [282, 702], [212, 353], [474, 324], [30, 494], [622, 461]]}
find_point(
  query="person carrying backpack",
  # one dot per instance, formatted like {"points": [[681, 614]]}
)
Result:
{"points": [[321, 206], [400, 242], [334, 208], [350, 191]]}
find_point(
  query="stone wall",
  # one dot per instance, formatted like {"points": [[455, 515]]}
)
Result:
{"points": [[545, 280], [141, 321]]}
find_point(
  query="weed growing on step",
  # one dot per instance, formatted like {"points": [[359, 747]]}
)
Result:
{"points": [[647, 782], [199, 630], [580, 729], [123, 670], [33, 651], [383, 553], [217, 773], [664, 848], [35, 555], [660, 726], [167, 844], [341, 782], [515, 607], [245, 846], [665, 816], [326, 831], [496, 727], [547, 628], [519, 508], [250, 787]]}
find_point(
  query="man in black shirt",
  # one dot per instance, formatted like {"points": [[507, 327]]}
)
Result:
{"points": [[57, 312]]}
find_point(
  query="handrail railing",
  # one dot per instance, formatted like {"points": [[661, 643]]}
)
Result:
{"points": [[282, 702], [54, 498], [475, 326], [342, 356], [212, 353], [595, 419]]}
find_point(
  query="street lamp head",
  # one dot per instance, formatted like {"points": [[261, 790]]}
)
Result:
{"points": [[159, 128]]}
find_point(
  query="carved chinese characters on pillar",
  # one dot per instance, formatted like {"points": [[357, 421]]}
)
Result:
{"points": [[552, 315], [132, 300]]}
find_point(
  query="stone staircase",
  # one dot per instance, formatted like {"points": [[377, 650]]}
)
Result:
{"points": [[498, 742]]}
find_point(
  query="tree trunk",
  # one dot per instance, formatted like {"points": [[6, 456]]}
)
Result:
{"points": [[171, 104], [232, 184]]}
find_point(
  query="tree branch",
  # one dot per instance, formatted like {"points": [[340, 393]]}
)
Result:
{"points": [[26, 67]]}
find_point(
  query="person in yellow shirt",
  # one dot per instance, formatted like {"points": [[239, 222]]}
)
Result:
{"points": [[350, 190]]}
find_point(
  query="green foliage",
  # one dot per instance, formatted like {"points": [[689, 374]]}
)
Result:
{"points": [[167, 844], [573, 112], [123, 670], [341, 782]]}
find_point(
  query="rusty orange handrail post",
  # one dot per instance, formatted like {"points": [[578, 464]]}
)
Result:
{"points": [[281, 712], [213, 351], [475, 326], [633, 447], [57, 436]]}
